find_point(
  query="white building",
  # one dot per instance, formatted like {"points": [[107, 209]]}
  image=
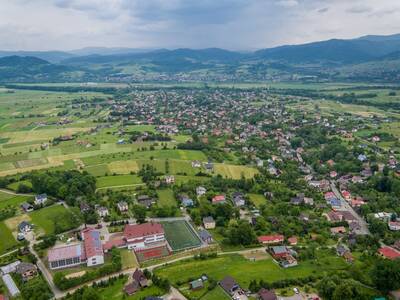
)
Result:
{"points": [[143, 236]]}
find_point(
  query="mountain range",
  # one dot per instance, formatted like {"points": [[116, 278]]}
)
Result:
{"points": [[370, 57]]}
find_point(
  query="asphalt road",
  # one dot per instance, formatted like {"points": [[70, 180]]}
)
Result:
{"points": [[346, 206]]}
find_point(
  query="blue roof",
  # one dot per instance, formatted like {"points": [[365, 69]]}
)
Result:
{"points": [[96, 238]]}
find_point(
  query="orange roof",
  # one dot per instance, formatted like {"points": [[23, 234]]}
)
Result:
{"points": [[389, 252]]}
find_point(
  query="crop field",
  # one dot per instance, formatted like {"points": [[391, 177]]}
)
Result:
{"points": [[8, 241], [243, 270], [180, 235]]}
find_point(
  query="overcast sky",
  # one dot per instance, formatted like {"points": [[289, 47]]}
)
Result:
{"points": [[230, 24]]}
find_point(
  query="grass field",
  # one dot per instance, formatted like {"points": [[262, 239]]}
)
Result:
{"points": [[216, 294], [115, 292], [235, 172], [243, 270], [118, 180], [128, 259], [180, 235], [8, 241], [43, 218], [257, 199], [11, 200], [166, 198]]}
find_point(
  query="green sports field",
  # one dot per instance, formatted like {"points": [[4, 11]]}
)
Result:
{"points": [[180, 235]]}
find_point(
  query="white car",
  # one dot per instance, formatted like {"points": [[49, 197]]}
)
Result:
{"points": [[296, 290]]}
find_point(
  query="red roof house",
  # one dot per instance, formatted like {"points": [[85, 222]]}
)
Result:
{"points": [[218, 199], [271, 239], [389, 253]]}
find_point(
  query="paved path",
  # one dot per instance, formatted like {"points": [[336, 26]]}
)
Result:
{"points": [[363, 224], [46, 274], [8, 253]]}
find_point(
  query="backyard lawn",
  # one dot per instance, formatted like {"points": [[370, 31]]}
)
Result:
{"points": [[44, 218], [166, 198]]}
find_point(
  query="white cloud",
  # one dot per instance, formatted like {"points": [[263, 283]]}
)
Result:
{"points": [[234, 24]]}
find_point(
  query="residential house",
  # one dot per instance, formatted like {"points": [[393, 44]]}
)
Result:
{"points": [[338, 230], [145, 200], [26, 270], [196, 164], [279, 252], [27, 207], [209, 222], [238, 199], [389, 253], [139, 277], [271, 239], [293, 241], [169, 179], [200, 191], [265, 294], [394, 225], [205, 236], [229, 285], [196, 284], [131, 288], [102, 211], [186, 201], [122, 206], [218, 199], [40, 199], [84, 207], [308, 201], [25, 227]]}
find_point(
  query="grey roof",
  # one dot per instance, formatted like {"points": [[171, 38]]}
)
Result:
{"points": [[11, 286], [24, 267], [208, 219], [204, 234], [228, 284]]}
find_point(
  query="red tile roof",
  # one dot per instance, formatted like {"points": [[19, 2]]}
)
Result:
{"points": [[218, 198], [142, 230], [389, 252], [114, 243], [271, 238]]}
